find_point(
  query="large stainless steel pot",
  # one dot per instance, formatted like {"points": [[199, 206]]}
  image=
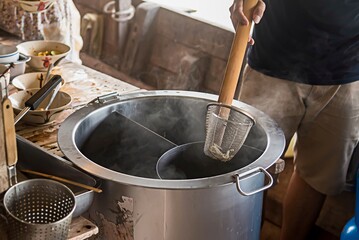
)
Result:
{"points": [[135, 203]]}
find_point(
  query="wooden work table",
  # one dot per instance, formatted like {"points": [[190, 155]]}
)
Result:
{"points": [[82, 83]]}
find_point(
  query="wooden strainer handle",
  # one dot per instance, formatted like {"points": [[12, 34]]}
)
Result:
{"points": [[236, 56]]}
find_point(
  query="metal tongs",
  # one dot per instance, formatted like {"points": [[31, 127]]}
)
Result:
{"points": [[39, 96]]}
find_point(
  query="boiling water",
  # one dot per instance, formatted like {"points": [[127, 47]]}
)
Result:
{"points": [[121, 145], [188, 161]]}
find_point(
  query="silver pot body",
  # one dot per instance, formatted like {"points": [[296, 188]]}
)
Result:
{"points": [[137, 204]]}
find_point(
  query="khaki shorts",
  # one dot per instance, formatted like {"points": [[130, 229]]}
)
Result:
{"points": [[325, 118]]}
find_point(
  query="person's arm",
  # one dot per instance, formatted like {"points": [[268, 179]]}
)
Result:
{"points": [[238, 17]]}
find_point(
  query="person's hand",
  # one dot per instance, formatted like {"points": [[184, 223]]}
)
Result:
{"points": [[238, 17]]}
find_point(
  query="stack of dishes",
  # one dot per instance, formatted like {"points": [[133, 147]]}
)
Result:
{"points": [[39, 56], [31, 80], [61, 102], [10, 54]]}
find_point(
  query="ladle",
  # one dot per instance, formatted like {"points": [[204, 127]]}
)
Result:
{"points": [[225, 136], [188, 161]]}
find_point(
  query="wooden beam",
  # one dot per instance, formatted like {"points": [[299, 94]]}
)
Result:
{"points": [[139, 43]]}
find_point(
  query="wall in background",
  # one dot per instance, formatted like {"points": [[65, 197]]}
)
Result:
{"points": [[162, 47]]}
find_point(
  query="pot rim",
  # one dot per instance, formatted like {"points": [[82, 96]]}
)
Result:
{"points": [[66, 142]]}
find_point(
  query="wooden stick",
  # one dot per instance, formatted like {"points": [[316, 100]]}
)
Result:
{"points": [[236, 56], [63, 180]]}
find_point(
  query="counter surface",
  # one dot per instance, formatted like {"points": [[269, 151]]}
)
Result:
{"points": [[82, 83]]}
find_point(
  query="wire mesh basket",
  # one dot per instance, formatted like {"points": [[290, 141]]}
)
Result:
{"points": [[39, 209], [227, 128]]}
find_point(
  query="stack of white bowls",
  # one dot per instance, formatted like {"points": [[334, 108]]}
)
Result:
{"points": [[10, 54]]}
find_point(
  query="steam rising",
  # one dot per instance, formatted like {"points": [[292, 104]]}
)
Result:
{"points": [[132, 138]]}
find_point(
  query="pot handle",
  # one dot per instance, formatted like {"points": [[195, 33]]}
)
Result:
{"points": [[105, 98], [248, 175]]}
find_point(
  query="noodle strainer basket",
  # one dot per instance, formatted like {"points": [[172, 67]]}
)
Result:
{"points": [[227, 128]]}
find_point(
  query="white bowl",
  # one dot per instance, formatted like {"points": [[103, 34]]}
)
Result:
{"points": [[8, 54], [30, 80], [40, 116], [19, 66], [36, 6], [41, 63]]}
